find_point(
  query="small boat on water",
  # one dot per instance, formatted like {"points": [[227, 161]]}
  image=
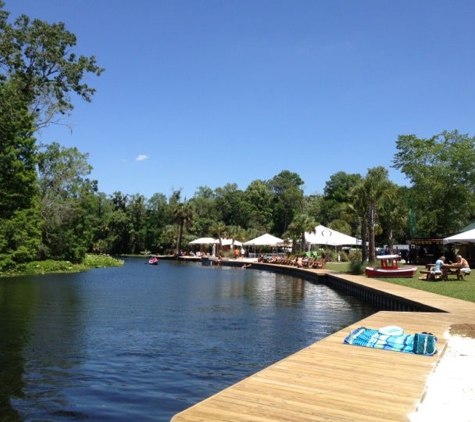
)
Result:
{"points": [[153, 260], [389, 267]]}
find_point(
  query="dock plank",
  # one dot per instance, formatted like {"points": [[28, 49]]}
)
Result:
{"points": [[332, 381]]}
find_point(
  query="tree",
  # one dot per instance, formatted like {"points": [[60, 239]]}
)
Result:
{"points": [[156, 219], [137, 214], [393, 215], [259, 198], [300, 224], [442, 175], [66, 197], [183, 215], [119, 226], [19, 213], [37, 56], [218, 229], [232, 206], [288, 198], [376, 186], [204, 205], [358, 207], [38, 71], [335, 194]]}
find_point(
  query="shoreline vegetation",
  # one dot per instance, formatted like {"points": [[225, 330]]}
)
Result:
{"points": [[53, 267]]}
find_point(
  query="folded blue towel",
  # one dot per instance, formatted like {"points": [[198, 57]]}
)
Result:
{"points": [[367, 337]]}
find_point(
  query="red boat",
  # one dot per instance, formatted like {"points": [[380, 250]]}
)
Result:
{"points": [[389, 267], [153, 260]]}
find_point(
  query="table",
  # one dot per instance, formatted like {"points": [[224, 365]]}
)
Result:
{"points": [[447, 269]]}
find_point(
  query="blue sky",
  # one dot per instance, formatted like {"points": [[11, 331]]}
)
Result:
{"points": [[205, 93]]}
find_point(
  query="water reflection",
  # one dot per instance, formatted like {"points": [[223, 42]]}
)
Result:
{"points": [[16, 307], [144, 342]]}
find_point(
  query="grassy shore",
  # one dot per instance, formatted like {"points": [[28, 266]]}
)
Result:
{"points": [[49, 266], [459, 289]]}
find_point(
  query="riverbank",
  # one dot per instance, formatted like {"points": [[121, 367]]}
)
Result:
{"points": [[55, 267]]}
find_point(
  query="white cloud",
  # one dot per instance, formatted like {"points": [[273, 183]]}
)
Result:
{"points": [[141, 157]]}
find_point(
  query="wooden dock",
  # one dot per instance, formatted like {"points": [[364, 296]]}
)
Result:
{"points": [[332, 381]]}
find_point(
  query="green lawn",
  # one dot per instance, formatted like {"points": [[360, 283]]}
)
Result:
{"points": [[464, 290]]}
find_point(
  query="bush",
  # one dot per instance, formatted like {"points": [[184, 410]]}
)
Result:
{"points": [[355, 256], [357, 267], [50, 266]]}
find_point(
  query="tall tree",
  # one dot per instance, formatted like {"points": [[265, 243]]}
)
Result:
{"points": [[38, 72], [19, 212], [335, 194], [358, 207], [182, 215], [288, 199], [157, 218], [376, 186], [393, 215], [38, 57], [67, 206], [442, 175], [259, 197]]}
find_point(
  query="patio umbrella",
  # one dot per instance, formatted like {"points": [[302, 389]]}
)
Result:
{"points": [[203, 241], [228, 242]]}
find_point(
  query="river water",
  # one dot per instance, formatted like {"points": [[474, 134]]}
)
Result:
{"points": [[144, 342]]}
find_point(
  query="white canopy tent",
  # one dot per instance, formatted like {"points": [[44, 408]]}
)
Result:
{"points": [[229, 242], [325, 236], [204, 241], [464, 237], [264, 240]]}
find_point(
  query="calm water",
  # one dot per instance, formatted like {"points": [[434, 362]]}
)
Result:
{"points": [[144, 342]]}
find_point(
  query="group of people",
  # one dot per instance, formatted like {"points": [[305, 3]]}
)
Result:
{"points": [[440, 265]]}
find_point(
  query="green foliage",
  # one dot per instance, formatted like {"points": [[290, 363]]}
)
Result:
{"points": [[335, 194], [442, 174], [50, 266], [39, 58], [288, 199], [357, 265], [66, 196], [17, 153], [19, 211]]}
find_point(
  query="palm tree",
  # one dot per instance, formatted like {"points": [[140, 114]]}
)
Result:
{"points": [[218, 229], [376, 187], [393, 215], [300, 224], [183, 215]]}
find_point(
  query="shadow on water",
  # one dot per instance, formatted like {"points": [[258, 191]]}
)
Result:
{"points": [[15, 307], [145, 342]]}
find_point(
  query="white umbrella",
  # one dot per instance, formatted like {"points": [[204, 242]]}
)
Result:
{"points": [[228, 242], [464, 237], [264, 240], [203, 241]]}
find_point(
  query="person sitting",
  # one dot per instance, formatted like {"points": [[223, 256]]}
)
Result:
{"points": [[436, 270], [462, 263]]}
